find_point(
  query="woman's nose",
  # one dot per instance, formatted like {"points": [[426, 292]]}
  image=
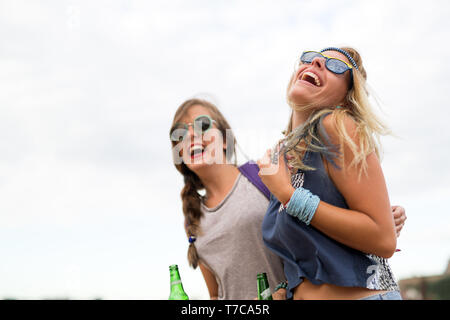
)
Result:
{"points": [[192, 134], [318, 62]]}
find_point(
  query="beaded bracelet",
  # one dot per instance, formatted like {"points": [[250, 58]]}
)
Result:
{"points": [[281, 285], [303, 205]]}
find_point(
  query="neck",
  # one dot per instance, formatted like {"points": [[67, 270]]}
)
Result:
{"points": [[217, 178], [299, 117]]}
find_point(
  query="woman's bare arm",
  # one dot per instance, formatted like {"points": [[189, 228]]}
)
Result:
{"points": [[368, 225], [210, 280]]}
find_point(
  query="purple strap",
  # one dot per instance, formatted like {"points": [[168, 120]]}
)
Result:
{"points": [[250, 169]]}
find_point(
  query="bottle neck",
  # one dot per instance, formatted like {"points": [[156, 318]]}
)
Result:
{"points": [[174, 277], [263, 289], [175, 281], [176, 287]]}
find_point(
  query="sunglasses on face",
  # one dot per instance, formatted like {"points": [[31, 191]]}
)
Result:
{"points": [[201, 125], [335, 65]]}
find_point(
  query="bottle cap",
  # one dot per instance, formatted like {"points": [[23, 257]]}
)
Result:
{"points": [[261, 275]]}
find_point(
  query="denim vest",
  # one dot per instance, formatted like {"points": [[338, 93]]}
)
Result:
{"points": [[308, 253]]}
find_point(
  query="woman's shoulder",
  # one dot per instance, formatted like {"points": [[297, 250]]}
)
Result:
{"points": [[250, 171], [334, 126], [252, 189]]}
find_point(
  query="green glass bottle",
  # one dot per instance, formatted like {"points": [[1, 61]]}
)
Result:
{"points": [[176, 287], [263, 287]]}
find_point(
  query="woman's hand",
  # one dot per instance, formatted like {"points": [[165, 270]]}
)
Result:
{"points": [[276, 177], [399, 218], [280, 294]]}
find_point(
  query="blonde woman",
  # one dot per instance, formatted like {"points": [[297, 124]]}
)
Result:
{"points": [[325, 218], [223, 225]]}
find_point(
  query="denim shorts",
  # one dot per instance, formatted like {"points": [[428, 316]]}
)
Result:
{"points": [[390, 295]]}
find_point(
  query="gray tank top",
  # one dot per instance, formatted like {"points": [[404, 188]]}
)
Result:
{"points": [[231, 243]]}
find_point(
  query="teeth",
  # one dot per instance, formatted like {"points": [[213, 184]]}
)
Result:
{"points": [[196, 149], [312, 75]]}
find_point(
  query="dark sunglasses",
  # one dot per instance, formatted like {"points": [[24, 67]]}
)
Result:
{"points": [[201, 125]]}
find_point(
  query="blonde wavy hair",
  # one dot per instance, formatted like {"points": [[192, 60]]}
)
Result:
{"points": [[356, 105]]}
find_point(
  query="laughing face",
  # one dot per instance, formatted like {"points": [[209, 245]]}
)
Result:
{"points": [[200, 150], [314, 85]]}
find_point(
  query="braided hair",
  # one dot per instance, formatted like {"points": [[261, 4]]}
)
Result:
{"points": [[190, 195]]}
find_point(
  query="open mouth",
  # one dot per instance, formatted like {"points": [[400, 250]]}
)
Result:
{"points": [[197, 151], [311, 78]]}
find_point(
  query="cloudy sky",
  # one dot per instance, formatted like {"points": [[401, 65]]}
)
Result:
{"points": [[89, 198]]}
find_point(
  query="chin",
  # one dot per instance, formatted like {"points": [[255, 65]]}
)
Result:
{"points": [[199, 163], [298, 100], [301, 105], [195, 167]]}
